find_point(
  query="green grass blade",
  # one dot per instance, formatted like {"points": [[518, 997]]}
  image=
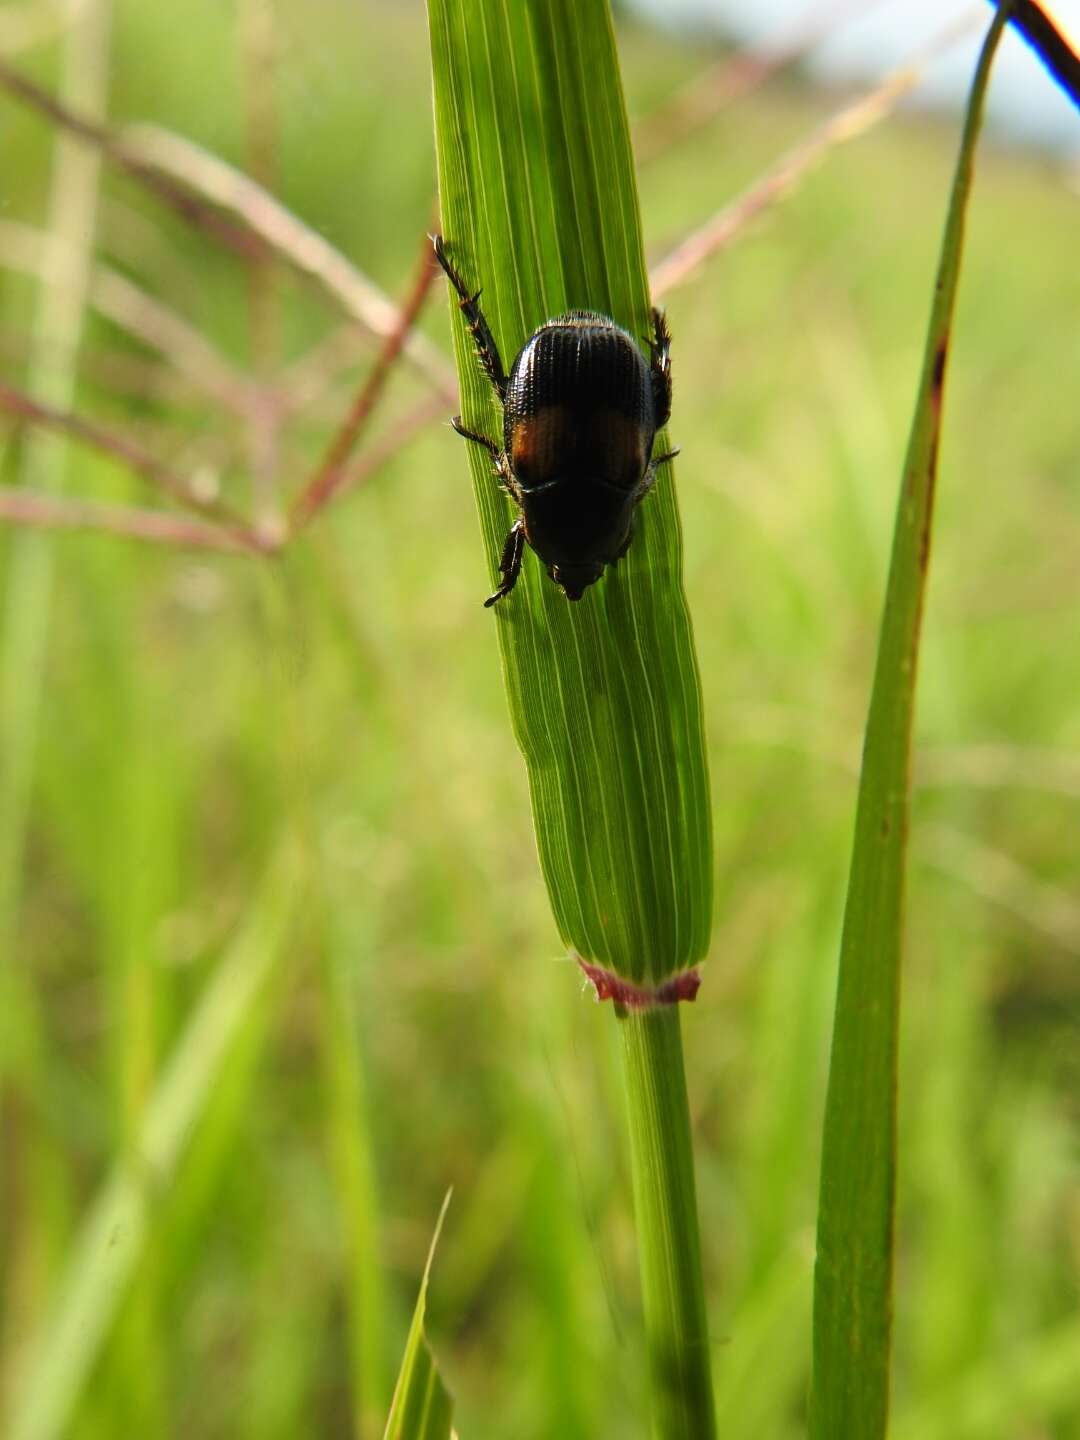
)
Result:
{"points": [[26, 597], [539, 207], [114, 1232], [422, 1408], [853, 1276], [352, 1154], [51, 378]]}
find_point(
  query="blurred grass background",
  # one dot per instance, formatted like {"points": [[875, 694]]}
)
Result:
{"points": [[218, 734]]}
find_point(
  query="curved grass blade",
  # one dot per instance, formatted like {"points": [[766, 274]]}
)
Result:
{"points": [[539, 207], [853, 1275], [422, 1408]]}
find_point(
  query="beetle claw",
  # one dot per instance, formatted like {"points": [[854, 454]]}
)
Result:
{"points": [[510, 562]]}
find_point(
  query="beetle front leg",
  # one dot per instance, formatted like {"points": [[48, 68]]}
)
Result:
{"points": [[510, 562], [483, 339]]}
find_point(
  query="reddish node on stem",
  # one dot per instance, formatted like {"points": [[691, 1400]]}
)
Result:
{"points": [[608, 986]]}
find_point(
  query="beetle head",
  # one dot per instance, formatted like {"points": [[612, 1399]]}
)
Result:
{"points": [[574, 580]]}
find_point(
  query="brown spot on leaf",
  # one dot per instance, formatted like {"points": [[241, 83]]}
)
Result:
{"points": [[937, 378]]}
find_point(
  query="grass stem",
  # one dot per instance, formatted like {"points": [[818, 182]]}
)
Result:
{"points": [[666, 1209]]}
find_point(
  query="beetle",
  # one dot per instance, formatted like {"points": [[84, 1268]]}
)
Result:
{"points": [[581, 410]]}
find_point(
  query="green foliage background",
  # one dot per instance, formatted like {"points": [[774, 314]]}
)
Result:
{"points": [[215, 736]]}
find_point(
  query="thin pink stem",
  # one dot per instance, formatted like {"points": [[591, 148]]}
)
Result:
{"points": [[17, 402], [845, 124], [31, 507], [331, 475]]}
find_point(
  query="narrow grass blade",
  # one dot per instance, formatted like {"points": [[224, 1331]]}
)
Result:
{"points": [[352, 1154], [539, 207], [853, 1277], [114, 1232], [51, 378], [26, 605], [422, 1408]]}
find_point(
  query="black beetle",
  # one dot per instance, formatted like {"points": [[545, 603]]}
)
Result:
{"points": [[581, 408]]}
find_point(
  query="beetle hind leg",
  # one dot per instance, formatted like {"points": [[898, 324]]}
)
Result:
{"points": [[660, 349], [510, 562], [486, 349]]}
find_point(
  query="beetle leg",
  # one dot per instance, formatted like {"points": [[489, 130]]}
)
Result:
{"points": [[660, 348], [652, 474], [483, 339], [645, 484], [503, 473], [476, 438], [507, 479], [510, 563]]}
